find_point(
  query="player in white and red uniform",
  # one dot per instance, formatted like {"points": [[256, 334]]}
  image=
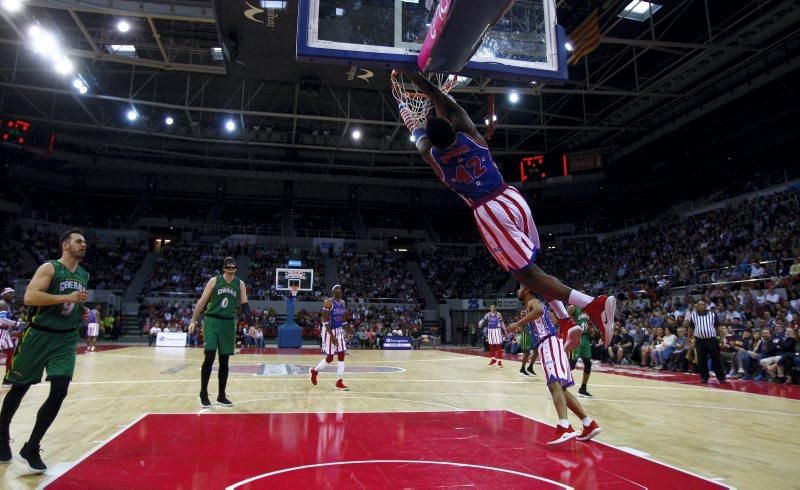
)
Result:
{"points": [[556, 369], [460, 157], [334, 311], [92, 329], [494, 334]]}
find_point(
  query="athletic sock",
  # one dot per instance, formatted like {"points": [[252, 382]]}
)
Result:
{"points": [[340, 369], [579, 299], [558, 308], [563, 423], [586, 422], [321, 365]]}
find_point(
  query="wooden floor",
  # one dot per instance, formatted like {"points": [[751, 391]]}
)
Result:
{"points": [[746, 440]]}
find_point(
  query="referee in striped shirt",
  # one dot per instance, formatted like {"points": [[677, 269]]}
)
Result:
{"points": [[703, 327]]}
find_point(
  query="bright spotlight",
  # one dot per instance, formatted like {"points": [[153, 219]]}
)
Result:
{"points": [[230, 125], [43, 42], [494, 117], [486, 121], [413, 138], [356, 134], [169, 120], [132, 115], [12, 5], [63, 65], [568, 46], [513, 97], [123, 26], [77, 84], [83, 89]]}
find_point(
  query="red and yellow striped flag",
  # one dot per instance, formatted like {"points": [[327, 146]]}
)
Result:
{"points": [[585, 38]]}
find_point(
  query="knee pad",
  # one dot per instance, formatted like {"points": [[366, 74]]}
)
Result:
{"points": [[59, 388], [329, 358], [340, 356]]}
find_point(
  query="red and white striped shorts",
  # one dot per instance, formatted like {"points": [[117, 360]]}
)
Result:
{"points": [[494, 336], [508, 230], [555, 363], [333, 343]]}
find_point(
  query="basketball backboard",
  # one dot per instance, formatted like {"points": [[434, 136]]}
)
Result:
{"points": [[526, 43], [284, 278]]}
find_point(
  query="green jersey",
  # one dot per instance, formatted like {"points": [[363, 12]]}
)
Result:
{"points": [[582, 319], [66, 316], [225, 298]]}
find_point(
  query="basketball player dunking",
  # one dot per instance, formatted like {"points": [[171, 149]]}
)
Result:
{"points": [[494, 334], [556, 369], [92, 329], [223, 294], [459, 156], [334, 312]]}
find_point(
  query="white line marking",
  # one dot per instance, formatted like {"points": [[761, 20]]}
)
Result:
{"points": [[395, 461], [648, 458]]}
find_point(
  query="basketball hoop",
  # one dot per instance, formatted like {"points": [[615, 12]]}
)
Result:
{"points": [[415, 106], [294, 288]]}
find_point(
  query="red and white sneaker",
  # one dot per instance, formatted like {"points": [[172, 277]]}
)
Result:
{"points": [[340, 386], [590, 431], [493, 362], [499, 363], [601, 311], [313, 374], [562, 435]]}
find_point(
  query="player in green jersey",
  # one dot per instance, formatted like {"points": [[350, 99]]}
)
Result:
{"points": [[583, 351], [223, 295], [58, 292]]}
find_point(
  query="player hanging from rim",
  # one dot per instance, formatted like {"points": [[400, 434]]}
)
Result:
{"points": [[93, 329], [223, 294], [9, 328], [58, 291], [556, 369], [334, 311], [494, 334], [583, 351], [459, 156]]}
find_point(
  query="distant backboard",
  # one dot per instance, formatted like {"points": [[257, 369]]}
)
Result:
{"points": [[526, 43], [284, 278]]}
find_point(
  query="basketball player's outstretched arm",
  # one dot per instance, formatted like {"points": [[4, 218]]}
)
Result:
{"points": [[535, 311], [201, 303], [445, 106]]}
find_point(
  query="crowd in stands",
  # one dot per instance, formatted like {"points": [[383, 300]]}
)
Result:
{"points": [[454, 273], [321, 222], [376, 274]]}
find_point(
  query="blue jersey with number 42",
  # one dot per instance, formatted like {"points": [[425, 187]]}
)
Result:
{"points": [[467, 168]]}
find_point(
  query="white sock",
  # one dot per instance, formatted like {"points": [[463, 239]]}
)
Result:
{"points": [[579, 299], [563, 423], [321, 365], [586, 422], [340, 368], [558, 308]]}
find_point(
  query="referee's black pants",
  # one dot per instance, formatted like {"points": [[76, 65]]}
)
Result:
{"points": [[708, 348]]}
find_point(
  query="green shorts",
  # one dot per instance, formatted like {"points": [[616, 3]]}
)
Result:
{"points": [[525, 340], [38, 350], [219, 334], [584, 350]]}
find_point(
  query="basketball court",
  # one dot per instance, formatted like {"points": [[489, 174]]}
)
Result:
{"points": [[413, 419]]}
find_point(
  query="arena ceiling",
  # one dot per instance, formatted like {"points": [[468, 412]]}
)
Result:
{"points": [[645, 81]]}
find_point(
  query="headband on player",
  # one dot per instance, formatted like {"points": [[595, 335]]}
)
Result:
{"points": [[6, 291], [335, 287]]}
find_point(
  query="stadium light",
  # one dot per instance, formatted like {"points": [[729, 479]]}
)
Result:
{"points": [[413, 139], [63, 65], [486, 121], [568, 46], [356, 134], [230, 126], [513, 97], [169, 121], [42, 41], [83, 89], [12, 5], [132, 115], [123, 26]]}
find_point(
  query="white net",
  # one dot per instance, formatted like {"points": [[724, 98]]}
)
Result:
{"points": [[415, 106]]}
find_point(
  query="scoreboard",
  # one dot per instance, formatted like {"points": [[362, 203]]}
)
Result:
{"points": [[22, 134]]}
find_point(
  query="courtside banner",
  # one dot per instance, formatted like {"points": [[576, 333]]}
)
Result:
{"points": [[397, 343], [171, 339]]}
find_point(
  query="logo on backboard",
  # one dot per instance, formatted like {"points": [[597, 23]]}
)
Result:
{"points": [[365, 75], [271, 15]]}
